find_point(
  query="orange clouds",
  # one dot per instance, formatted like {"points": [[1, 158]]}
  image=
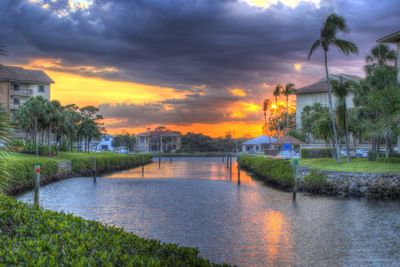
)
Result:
{"points": [[238, 92]]}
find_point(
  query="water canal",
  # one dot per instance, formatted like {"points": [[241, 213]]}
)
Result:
{"points": [[194, 202]]}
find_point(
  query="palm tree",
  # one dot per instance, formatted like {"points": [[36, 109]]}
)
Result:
{"points": [[53, 120], [266, 104], [29, 115], [342, 90], [277, 93], [380, 55], [330, 28], [286, 91]]}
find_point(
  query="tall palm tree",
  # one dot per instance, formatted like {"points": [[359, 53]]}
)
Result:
{"points": [[286, 91], [266, 104], [277, 93], [341, 89], [333, 25], [381, 54]]}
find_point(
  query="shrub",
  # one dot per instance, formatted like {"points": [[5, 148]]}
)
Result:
{"points": [[30, 148], [21, 172], [388, 160], [316, 153], [315, 181], [15, 145], [373, 156], [275, 171], [36, 237], [82, 163]]}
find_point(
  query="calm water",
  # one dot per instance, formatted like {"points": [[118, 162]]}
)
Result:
{"points": [[194, 202]]}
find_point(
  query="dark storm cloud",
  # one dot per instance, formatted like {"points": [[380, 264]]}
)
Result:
{"points": [[190, 43]]}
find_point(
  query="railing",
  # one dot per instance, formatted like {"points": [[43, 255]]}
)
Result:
{"points": [[15, 106], [22, 92]]}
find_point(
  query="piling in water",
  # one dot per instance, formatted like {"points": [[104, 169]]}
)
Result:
{"points": [[94, 170]]}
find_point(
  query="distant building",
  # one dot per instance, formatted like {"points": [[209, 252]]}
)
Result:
{"points": [[18, 84], [318, 93], [105, 143], [158, 140], [393, 38], [258, 144]]}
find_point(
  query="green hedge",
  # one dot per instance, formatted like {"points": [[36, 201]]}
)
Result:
{"points": [[316, 153], [388, 160], [21, 172], [34, 237], [373, 156], [275, 171], [82, 163]]}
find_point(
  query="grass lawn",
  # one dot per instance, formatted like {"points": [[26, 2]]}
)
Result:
{"points": [[356, 165], [19, 156]]}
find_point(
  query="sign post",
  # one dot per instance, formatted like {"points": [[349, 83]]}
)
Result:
{"points": [[295, 165], [36, 184]]}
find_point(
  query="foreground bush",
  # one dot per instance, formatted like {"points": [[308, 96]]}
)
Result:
{"points": [[33, 237], [316, 153], [21, 172], [275, 171], [82, 163]]}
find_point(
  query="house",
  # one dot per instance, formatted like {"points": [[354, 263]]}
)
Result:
{"points": [[258, 144], [393, 38], [318, 93], [18, 84], [158, 140], [105, 143]]}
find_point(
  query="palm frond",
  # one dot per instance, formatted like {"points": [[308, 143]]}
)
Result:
{"points": [[346, 47], [314, 46], [334, 22]]}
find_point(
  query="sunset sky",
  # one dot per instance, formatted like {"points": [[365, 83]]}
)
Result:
{"points": [[191, 65]]}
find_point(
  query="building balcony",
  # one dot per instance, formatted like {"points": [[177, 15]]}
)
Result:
{"points": [[21, 92], [14, 106]]}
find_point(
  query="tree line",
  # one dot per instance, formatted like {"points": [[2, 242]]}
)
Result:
{"points": [[68, 124]]}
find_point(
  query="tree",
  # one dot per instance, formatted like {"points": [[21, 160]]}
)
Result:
{"points": [[90, 126], [286, 91], [341, 89], [124, 140], [266, 104], [29, 115], [277, 92], [329, 30], [53, 120], [381, 55]]}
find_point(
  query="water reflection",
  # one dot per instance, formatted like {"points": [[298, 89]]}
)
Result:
{"points": [[194, 202]]}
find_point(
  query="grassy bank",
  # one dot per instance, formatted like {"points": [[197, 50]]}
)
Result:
{"points": [[356, 165], [34, 237], [274, 171], [20, 167]]}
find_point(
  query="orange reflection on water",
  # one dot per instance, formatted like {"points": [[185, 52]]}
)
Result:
{"points": [[277, 235]]}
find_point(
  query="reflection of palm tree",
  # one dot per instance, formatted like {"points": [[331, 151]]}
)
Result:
{"points": [[330, 28], [288, 90]]}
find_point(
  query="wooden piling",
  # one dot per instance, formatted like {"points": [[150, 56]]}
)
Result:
{"points": [[159, 162], [94, 169], [238, 174], [36, 184]]}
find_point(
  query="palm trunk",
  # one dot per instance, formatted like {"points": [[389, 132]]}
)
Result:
{"points": [[333, 121], [36, 136], [287, 114], [49, 140], [346, 129]]}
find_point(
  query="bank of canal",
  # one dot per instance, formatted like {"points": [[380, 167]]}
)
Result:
{"points": [[194, 202]]}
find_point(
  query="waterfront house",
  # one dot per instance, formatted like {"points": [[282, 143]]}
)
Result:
{"points": [[105, 143], [259, 144], [318, 93], [158, 140]]}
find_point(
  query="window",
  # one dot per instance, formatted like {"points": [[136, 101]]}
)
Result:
{"points": [[16, 87], [41, 88], [104, 147], [16, 101]]}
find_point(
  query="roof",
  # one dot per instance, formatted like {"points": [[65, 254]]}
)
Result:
{"points": [[290, 140], [263, 139], [392, 38], [18, 74], [322, 86]]}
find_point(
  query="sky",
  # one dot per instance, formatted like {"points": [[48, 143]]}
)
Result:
{"points": [[191, 65]]}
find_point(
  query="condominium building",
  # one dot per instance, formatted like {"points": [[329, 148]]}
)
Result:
{"points": [[18, 84], [158, 140]]}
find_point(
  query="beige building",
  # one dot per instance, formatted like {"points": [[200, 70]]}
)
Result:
{"points": [[18, 84], [159, 140], [318, 93], [393, 38]]}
